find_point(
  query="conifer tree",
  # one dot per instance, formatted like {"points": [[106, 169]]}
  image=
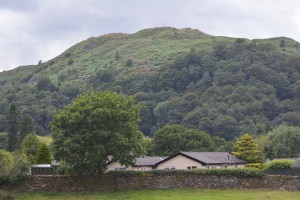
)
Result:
{"points": [[117, 55], [43, 156], [12, 127], [26, 127], [246, 149]]}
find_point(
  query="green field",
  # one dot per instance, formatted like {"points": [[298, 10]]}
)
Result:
{"points": [[174, 194]]}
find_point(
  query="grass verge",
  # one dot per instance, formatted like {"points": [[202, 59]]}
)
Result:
{"points": [[174, 194]]}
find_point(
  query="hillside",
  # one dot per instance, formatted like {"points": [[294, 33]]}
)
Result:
{"points": [[225, 86]]}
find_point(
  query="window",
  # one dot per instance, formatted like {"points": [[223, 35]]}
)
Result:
{"points": [[192, 167], [170, 167], [120, 168]]}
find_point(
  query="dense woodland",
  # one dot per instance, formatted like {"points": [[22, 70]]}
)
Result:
{"points": [[223, 86]]}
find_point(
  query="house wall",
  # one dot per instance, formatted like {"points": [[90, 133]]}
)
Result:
{"points": [[224, 166], [117, 166], [180, 162]]}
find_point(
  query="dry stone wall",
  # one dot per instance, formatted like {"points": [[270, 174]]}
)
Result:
{"points": [[113, 182]]}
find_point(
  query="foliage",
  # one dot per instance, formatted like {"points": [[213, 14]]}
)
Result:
{"points": [[148, 146], [129, 62], [43, 155], [30, 147], [6, 195], [255, 165], [94, 127], [237, 172], [3, 140], [171, 139], [283, 142], [6, 162], [117, 55], [280, 164], [20, 169], [246, 149], [13, 125], [45, 84], [65, 169], [226, 87]]}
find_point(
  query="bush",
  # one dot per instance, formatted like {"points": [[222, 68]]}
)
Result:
{"points": [[65, 169], [6, 195], [254, 166], [20, 169], [129, 62], [280, 164], [6, 162]]}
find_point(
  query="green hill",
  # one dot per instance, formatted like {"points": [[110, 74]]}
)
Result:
{"points": [[225, 86]]}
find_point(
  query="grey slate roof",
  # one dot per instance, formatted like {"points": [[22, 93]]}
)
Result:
{"points": [[209, 158], [214, 157], [148, 160]]}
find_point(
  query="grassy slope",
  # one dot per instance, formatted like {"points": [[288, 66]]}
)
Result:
{"points": [[149, 48], [174, 194], [45, 139]]}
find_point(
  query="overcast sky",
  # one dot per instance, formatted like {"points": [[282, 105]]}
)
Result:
{"points": [[33, 30]]}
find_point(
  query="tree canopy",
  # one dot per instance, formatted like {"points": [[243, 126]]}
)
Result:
{"points": [[6, 162], [171, 139], [223, 86], [96, 126], [246, 149], [283, 142], [30, 147]]}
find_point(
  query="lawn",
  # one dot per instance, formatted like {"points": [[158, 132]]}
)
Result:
{"points": [[174, 194]]}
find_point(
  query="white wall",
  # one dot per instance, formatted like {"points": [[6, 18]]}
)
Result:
{"points": [[115, 165], [180, 162]]}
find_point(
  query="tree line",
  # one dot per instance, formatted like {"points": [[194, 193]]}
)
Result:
{"points": [[101, 127]]}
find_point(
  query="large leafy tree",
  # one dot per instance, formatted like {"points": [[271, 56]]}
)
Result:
{"points": [[283, 142], [246, 149], [171, 139], [30, 146], [96, 126]]}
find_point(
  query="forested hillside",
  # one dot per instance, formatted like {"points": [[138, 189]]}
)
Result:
{"points": [[224, 86]]}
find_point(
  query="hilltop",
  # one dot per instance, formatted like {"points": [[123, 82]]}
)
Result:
{"points": [[225, 86]]}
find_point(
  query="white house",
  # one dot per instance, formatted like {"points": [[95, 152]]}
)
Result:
{"points": [[183, 161], [142, 163], [201, 160]]}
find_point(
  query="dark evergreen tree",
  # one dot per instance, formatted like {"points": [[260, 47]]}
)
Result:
{"points": [[26, 127], [282, 43], [13, 127], [43, 156], [117, 55]]}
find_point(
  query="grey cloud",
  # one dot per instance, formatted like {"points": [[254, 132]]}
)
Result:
{"points": [[48, 27]]}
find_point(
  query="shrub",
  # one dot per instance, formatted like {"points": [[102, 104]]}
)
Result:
{"points": [[20, 169], [280, 164], [129, 62], [254, 166], [6, 162], [70, 61], [6, 195], [65, 169]]}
